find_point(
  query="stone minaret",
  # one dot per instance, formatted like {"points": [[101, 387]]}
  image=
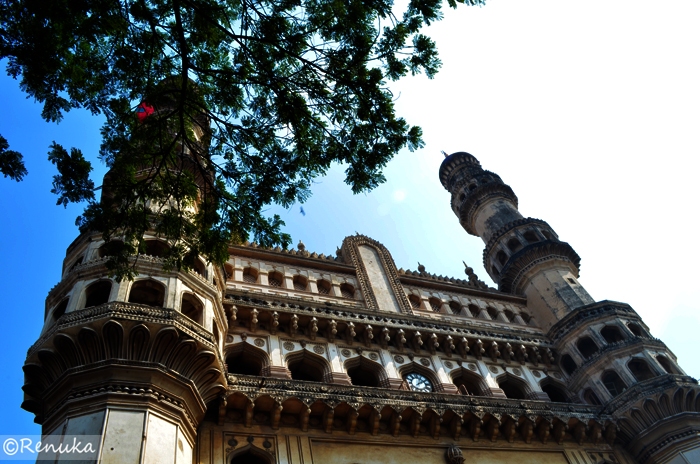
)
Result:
{"points": [[135, 363], [522, 255]]}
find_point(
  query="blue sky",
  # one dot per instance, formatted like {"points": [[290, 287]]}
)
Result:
{"points": [[589, 113]]}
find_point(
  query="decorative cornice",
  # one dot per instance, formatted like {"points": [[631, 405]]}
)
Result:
{"points": [[643, 390]]}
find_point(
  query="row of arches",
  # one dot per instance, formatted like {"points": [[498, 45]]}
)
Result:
{"points": [[148, 292], [587, 347], [244, 359], [471, 310], [300, 283], [517, 243]]}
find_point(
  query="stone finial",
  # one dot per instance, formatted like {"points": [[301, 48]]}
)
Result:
{"points": [[421, 268], [301, 246]]}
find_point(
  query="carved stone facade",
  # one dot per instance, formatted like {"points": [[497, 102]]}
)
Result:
{"points": [[287, 356]]}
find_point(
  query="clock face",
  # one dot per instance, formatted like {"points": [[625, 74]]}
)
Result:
{"points": [[418, 382]]}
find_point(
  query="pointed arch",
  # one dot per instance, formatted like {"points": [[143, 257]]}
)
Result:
{"points": [[568, 364], [97, 293], [640, 369], [366, 373], [305, 365], [556, 391], [591, 398], [192, 307], [613, 383], [514, 387], [113, 336], [414, 367], [469, 383], [250, 454], [245, 359], [147, 292]]}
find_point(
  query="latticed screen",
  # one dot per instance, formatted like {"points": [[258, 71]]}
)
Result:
{"points": [[324, 288], [436, 305], [249, 277], [299, 285], [415, 301], [347, 292], [274, 281], [455, 307]]}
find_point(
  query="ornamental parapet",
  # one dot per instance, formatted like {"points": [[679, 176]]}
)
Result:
{"points": [[479, 196]]}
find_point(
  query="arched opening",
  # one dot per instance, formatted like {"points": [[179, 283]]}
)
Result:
{"points": [[192, 307], [435, 304], [147, 292], [347, 291], [640, 369], [531, 237], [591, 398], [109, 248], [415, 301], [275, 279], [324, 287], [474, 310], [493, 314], [494, 271], [514, 244], [612, 334], [666, 364], [455, 307], [229, 271], [472, 187], [97, 293], [364, 373], [77, 262], [249, 457], [250, 275], [309, 367], [613, 383], [587, 347], [512, 388], [636, 330], [501, 257], [462, 197], [199, 268], [509, 315], [546, 234], [526, 317], [469, 384], [242, 363], [156, 248], [556, 394], [568, 364], [60, 309], [300, 283]]}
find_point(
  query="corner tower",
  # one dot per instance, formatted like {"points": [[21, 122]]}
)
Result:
{"points": [[522, 255]]}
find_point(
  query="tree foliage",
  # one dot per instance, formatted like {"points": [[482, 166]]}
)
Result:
{"points": [[253, 99]]}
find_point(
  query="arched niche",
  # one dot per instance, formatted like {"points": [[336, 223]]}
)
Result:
{"points": [[640, 369], [192, 307], [246, 359], [636, 329], [60, 309], [591, 398], [568, 364], [250, 454], [364, 372], [666, 364], [147, 292], [557, 392], [613, 383], [305, 365], [587, 347], [470, 383], [612, 334], [155, 247], [514, 387], [97, 293]]}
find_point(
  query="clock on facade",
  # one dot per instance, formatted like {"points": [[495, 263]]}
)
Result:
{"points": [[418, 382]]}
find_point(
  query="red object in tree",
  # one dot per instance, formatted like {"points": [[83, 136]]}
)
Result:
{"points": [[143, 111]]}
